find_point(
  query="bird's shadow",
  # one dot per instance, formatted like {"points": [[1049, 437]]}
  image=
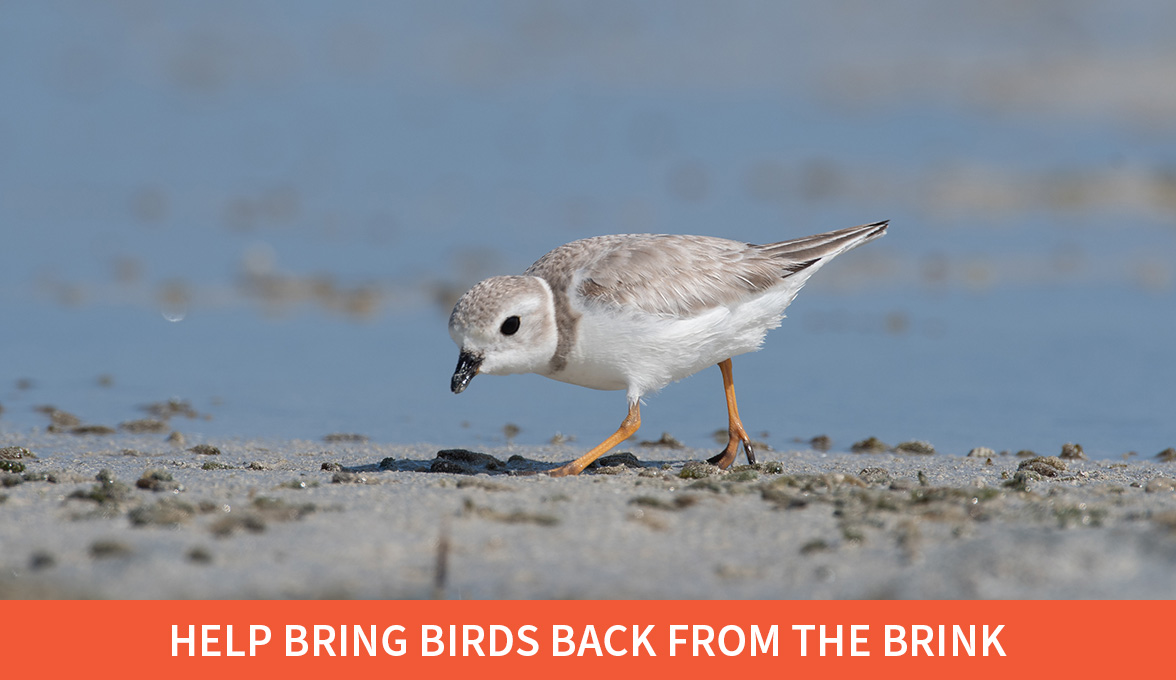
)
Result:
{"points": [[465, 462]]}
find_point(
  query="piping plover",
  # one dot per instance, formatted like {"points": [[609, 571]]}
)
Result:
{"points": [[636, 312]]}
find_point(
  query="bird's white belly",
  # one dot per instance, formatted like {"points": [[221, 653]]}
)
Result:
{"points": [[642, 353]]}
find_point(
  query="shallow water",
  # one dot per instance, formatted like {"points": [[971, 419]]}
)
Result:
{"points": [[269, 213]]}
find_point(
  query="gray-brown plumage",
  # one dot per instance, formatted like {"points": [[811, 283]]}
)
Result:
{"points": [[673, 275]]}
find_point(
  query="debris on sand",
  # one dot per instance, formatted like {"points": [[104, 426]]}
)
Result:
{"points": [[465, 462], [158, 480], [1046, 466], [615, 460], [15, 453], [667, 441], [1160, 484], [821, 442], [870, 445], [345, 438], [168, 512], [919, 448], [166, 410], [144, 426]]}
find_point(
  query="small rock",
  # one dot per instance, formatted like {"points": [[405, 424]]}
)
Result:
{"points": [[698, 470], [981, 452], [1026, 453], [1046, 466], [875, 475], [158, 480], [176, 439], [821, 442], [1023, 480], [41, 559], [870, 445], [1160, 484], [333, 467], [1072, 452], [919, 448], [108, 548], [1168, 455], [205, 450], [667, 440]]}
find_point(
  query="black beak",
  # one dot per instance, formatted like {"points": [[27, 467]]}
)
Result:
{"points": [[467, 368]]}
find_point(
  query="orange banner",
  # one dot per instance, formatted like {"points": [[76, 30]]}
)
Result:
{"points": [[626, 639]]}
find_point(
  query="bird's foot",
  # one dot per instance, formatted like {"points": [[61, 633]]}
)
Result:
{"points": [[727, 456], [568, 470]]}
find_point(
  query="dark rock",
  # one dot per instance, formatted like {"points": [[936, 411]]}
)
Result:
{"points": [[465, 462], [625, 459]]}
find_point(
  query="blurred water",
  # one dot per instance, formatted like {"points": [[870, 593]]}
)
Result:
{"points": [[303, 189]]}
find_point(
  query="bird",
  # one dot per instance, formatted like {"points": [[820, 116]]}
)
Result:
{"points": [[636, 312]]}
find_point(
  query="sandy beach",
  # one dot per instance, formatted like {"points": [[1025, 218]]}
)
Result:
{"points": [[142, 516]]}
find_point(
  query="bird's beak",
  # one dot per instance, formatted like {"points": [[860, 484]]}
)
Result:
{"points": [[467, 368]]}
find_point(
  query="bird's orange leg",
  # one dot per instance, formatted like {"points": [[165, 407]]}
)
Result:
{"points": [[735, 426], [626, 430]]}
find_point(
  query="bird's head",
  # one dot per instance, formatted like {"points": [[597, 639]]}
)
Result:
{"points": [[503, 325]]}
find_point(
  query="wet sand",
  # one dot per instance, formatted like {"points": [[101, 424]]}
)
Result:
{"points": [[139, 516]]}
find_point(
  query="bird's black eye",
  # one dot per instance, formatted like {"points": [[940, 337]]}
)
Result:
{"points": [[510, 326]]}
